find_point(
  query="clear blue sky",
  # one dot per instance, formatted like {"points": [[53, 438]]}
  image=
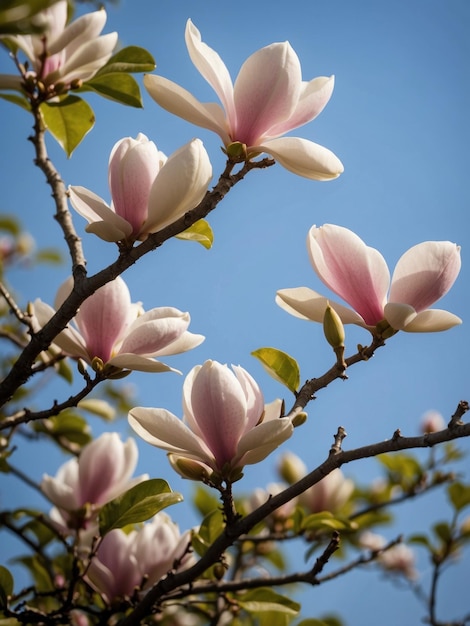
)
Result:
{"points": [[398, 119]]}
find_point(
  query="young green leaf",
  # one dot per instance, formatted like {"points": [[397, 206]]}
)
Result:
{"points": [[138, 504], [6, 586], [459, 495], [131, 60], [68, 121], [201, 232], [265, 599], [119, 87], [281, 366]]}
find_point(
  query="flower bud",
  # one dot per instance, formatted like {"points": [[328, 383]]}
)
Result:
{"points": [[299, 419], [187, 468], [291, 468], [333, 328], [236, 151]]}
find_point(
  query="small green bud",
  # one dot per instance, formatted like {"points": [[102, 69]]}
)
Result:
{"points": [[333, 328], [299, 419], [187, 468], [384, 330], [97, 364], [236, 151], [81, 366]]}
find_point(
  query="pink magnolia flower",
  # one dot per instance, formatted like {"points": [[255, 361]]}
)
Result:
{"points": [[109, 327], [124, 559], [225, 426], [399, 559], [432, 422], [267, 100], [360, 275], [66, 53], [148, 190], [101, 472]]}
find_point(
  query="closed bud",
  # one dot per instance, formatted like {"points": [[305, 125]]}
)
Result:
{"points": [[299, 419], [291, 468], [97, 365], [333, 328], [187, 468], [236, 151]]}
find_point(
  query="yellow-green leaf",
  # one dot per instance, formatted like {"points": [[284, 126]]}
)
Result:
{"points": [[131, 59], [201, 232], [138, 504], [265, 599], [119, 87], [6, 585], [280, 365], [68, 121]]}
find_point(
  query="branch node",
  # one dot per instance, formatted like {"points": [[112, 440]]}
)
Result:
{"points": [[341, 434], [397, 435], [456, 419]]}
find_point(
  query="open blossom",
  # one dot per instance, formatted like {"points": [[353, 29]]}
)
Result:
{"points": [[359, 274], [102, 472], [399, 559], [65, 53], [148, 190], [267, 100], [125, 560], [226, 424], [109, 327]]}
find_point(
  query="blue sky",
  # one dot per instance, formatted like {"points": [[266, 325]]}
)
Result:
{"points": [[398, 119]]}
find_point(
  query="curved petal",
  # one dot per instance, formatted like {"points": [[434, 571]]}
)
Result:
{"points": [[86, 60], [164, 430], [139, 363], [95, 210], [352, 270], [256, 444], [425, 273], [180, 186], [266, 92], [10, 81], [314, 96], [154, 331], [404, 317], [212, 68], [307, 304], [303, 157], [68, 340], [254, 397], [182, 103], [187, 341], [81, 30], [106, 232]]}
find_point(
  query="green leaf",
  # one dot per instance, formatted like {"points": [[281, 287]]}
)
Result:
{"points": [[119, 87], [131, 60], [204, 500], [68, 121], [49, 255], [421, 540], [138, 504], [265, 599], [211, 527], [443, 531], [16, 16], [18, 100], [98, 407], [201, 232], [64, 370], [280, 366], [325, 520], [6, 586], [68, 427], [459, 495]]}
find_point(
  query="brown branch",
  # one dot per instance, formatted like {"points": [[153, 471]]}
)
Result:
{"points": [[15, 309], [85, 286], [244, 525]]}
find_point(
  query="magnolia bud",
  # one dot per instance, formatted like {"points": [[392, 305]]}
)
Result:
{"points": [[187, 468], [236, 151], [291, 468], [333, 328], [299, 419]]}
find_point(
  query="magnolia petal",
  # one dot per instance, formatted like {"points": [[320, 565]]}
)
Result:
{"points": [[102, 219], [425, 273], [303, 157], [254, 397], [68, 340], [352, 270], [307, 304], [154, 332], [404, 317], [164, 430], [180, 186], [187, 341], [86, 60], [266, 92], [314, 96], [81, 30], [182, 103], [139, 363], [256, 444], [59, 493], [10, 81], [212, 68]]}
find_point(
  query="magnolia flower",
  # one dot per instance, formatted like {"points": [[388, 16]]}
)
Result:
{"points": [[125, 562], [267, 100], [225, 425], [360, 275], [399, 559], [148, 190], [432, 422], [109, 327], [329, 494], [101, 472], [66, 53]]}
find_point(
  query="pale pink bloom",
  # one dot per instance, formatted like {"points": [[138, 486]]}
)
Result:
{"points": [[360, 276], [148, 190], [124, 559], [225, 425], [66, 53], [108, 326], [432, 422], [269, 98], [329, 494], [399, 559], [261, 496], [101, 472]]}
